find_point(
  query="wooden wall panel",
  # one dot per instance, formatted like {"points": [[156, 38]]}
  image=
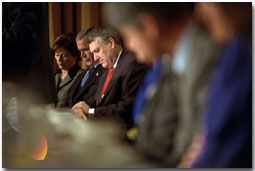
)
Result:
{"points": [[65, 17]]}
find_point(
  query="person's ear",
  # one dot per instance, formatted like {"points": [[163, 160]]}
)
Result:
{"points": [[111, 42], [149, 25]]}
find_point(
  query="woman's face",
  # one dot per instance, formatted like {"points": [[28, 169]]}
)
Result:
{"points": [[64, 59]]}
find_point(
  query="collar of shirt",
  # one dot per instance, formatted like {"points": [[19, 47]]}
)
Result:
{"points": [[116, 62], [96, 64], [182, 52]]}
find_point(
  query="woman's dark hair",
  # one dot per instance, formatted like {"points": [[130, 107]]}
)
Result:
{"points": [[68, 42]]}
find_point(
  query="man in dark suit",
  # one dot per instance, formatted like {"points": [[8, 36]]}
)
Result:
{"points": [[118, 86], [85, 86]]}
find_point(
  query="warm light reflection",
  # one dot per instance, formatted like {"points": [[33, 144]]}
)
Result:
{"points": [[41, 150]]}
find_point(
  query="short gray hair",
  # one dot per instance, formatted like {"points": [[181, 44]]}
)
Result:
{"points": [[83, 33], [104, 33]]}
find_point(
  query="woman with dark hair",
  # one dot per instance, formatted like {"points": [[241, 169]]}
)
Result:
{"points": [[66, 56]]}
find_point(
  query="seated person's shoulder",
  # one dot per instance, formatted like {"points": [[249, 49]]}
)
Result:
{"points": [[57, 71], [133, 65], [130, 59]]}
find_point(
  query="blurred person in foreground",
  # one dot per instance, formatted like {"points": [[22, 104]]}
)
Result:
{"points": [[174, 107], [85, 86], [28, 79], [228, 115], [118, 86], [66, 56]]}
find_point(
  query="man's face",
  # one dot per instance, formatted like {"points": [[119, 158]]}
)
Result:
{"points": [[103, 52], [136, 41], [64, 59], [83, 47]]}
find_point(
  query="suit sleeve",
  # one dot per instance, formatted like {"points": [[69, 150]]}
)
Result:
{"points": [[91, 102], [130, 85]]}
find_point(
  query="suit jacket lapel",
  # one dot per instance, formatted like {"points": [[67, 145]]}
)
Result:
{"points": [[91, 79], [76, 85], [100, 86], [66, 80], [69, 77], [116, 74], [56, 80], [93, 76]]}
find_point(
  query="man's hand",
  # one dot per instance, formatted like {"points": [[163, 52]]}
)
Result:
{"points": [[81, 109], [79, 113]]}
